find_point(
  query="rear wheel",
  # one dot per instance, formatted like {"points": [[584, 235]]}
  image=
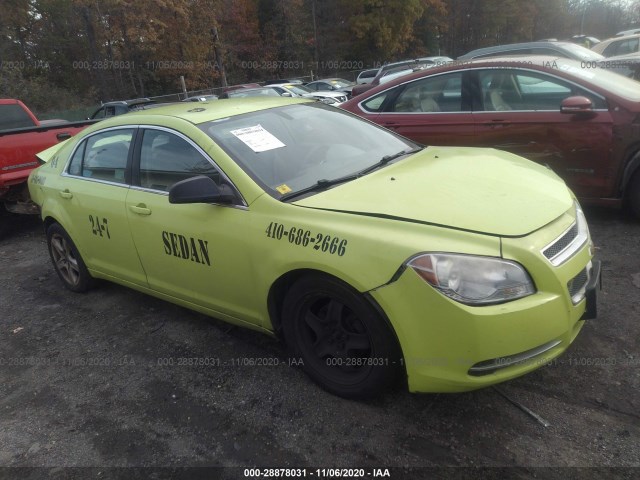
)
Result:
{"points": [[67, 260], [344, 344], [5, 220], [634, 194]]}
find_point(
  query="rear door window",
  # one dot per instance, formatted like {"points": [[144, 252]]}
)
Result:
{"points": [[103, 156]]}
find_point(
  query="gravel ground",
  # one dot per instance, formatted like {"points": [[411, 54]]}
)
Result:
{"points": [[86, 381]]}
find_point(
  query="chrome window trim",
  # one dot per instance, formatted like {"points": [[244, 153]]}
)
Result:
{"points": [[425, 113]]}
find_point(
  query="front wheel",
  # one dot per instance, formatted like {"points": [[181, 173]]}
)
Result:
{"points": [[345, 345], [67, 260]]}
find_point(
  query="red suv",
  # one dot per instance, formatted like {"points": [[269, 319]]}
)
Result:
{"points": [[580, 120]]}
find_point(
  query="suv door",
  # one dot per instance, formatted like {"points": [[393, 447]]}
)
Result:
{"points": [[519, 111], [96, 186], [192, 252]]}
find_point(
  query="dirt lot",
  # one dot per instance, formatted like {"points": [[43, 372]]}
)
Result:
{"points": [[85, 381]]}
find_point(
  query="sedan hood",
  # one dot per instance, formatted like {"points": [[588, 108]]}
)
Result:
{"points": [[480, 190]]}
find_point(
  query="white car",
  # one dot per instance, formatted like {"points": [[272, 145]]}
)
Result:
{"points": [[367, 76], [334, 98]]}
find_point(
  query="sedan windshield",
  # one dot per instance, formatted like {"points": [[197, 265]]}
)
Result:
{"points": [[291, 148]]}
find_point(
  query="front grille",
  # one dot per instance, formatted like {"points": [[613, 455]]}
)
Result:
{"points": [[561, 243], [578, 284]]}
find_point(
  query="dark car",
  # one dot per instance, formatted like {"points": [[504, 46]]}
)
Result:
{"points": [[554, 49], [111, 109], [582, 123]]}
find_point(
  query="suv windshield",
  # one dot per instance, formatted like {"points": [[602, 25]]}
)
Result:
{"points": [[291, 148], [613, 82]]}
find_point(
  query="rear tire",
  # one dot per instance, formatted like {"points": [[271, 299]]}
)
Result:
{"points": [[5, 220], [67, 260], [345, 345], [633, 194]]}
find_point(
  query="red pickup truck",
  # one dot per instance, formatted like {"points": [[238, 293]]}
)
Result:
{"points": [[22, 135]]}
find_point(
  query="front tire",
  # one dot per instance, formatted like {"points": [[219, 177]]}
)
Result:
{"points": [[345, 345], [67, 260]]}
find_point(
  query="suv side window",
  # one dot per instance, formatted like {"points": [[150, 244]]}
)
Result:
{"points": [[103, 156], [504, 90], [441, 93], [166, 158]]}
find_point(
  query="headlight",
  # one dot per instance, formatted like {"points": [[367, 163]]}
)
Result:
{"points": [[473, 280], [583, 227]]}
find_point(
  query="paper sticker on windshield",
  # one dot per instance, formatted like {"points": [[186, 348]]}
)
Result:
{"points": [[257, 138], [284, 188]]}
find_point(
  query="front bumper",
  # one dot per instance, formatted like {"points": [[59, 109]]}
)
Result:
{"points": [[451, 347], [591, 293]]}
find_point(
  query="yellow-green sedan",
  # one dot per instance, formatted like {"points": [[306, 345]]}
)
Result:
{"points": [[374, 259]]}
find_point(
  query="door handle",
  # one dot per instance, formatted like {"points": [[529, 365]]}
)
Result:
{"points": [[497, 123], [140, 209], [66, 194], [63, 136]]}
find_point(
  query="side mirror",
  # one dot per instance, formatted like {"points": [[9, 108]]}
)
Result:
{"points": [[200, 189], [286, 94], [578, 104]]}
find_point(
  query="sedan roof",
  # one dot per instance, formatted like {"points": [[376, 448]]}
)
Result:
{"points": [[201, 113]]}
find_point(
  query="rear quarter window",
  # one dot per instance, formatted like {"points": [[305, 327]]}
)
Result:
{"points": [[13, 116]]}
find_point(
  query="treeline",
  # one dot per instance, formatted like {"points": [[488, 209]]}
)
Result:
{"points": [[64, 53]]}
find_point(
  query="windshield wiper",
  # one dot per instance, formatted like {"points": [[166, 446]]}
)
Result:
{"points": [[319, 186], [387, 159]]}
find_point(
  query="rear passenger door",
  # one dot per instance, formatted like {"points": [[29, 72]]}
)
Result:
{"points": [[93, 195]]}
